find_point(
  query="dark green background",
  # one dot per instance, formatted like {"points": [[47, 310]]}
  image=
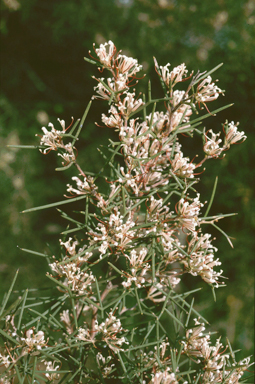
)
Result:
{"points": [[44, 76]]}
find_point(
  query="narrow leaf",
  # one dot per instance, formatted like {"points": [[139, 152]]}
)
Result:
{"points": [[8, 293], [212, 197], [54, 204]]}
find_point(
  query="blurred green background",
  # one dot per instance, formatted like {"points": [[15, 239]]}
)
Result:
{"points": [[44, 76]]}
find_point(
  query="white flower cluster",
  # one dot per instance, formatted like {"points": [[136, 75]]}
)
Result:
{"points": [[165, 377], [84, 187], [108, 331], [104, 365], [53, 140], [201, 259], [173, 77], [188, 213], [78, 280], [33, 341], [124, 70], [138, 268], [126, 65], [116, 232], [4, 360], [181, 166], [74, 277], [215, 362], [207, 91], [106, 53], [152, 160], [232, 135], [70, 246], [212, 144], [50, 366]]}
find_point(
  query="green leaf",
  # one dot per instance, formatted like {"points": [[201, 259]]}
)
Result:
{"points": [[8, 293], [54, 204], [82, 122], [212, 196], [207, 74], [33, 252]]}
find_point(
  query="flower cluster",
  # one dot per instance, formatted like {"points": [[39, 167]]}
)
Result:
{"points": [[52, 374], [164, 377], [116, 232], [215, 361], [70, 268], [78, 281], [232, 136], [138, 268], [84, 187], [201, 259], [207, 91], [173, 77], [104, 364], [107, 331], [153, 160], [33, 341], [53, 141], [5, 360], [188, 213]]}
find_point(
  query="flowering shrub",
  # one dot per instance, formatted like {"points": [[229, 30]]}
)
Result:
{"points": [[119, 273]]}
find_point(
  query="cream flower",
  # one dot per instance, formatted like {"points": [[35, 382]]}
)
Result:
{"points": [[106, 52]]}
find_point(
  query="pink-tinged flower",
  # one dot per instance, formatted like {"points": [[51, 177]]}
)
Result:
{"points": [[114, 232], [173, 77], [207, 91], [33, 341], [5, 360], [188, 213], [103, 363], [129, 104], [84, 187], [70, 247], [51, 139], [239, 369], [110, 330], [111, 86], [52, 374], [115, 120], [212, 144], [102, 91], [212, 357], [155, 295], [181, 166], [106, 53], [232, 135], [84, 334], [128, 65], [65, 318], [165, 377], [196, 341], [176, 75], [138, 268], [201, 260], [181, 111], [77, 280]]}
